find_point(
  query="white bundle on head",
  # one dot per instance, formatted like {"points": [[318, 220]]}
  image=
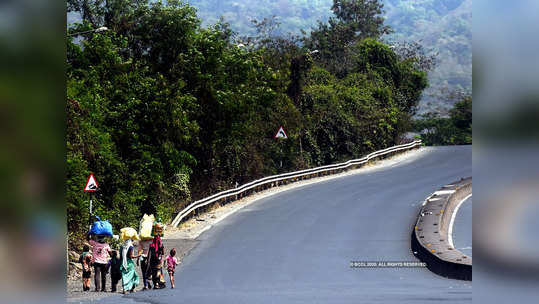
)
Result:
{"points": [[127, 244]]}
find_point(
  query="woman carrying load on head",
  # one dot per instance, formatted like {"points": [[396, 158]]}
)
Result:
{"points": [[155, 255], [130, 278], [100, 251], [146, 227], [100, 259]]}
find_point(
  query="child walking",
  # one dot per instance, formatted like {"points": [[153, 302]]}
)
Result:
{"points": [[172, 261], [86, 259]]}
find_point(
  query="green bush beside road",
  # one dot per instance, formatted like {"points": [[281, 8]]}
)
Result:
{"points": [[453, 130]]}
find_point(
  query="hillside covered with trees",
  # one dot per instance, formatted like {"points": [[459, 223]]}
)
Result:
{"points": [[164, 110], [442, 27]]}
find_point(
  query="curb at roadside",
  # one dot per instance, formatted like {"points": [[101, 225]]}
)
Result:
{"points": [[430, 235]]}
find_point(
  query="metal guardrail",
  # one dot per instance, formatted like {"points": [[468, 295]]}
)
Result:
{"points": [[286, 177]]}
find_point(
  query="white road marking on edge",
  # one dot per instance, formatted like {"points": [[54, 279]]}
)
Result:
{"points": [[439, 192], [453, 216], [430, 199], [442, 192]]}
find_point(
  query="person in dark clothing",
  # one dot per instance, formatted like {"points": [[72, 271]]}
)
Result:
{"points": [[115, 271], [155, 255], [144, 247]]}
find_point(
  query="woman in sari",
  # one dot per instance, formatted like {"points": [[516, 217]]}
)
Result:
{"points": [[130, 278]]}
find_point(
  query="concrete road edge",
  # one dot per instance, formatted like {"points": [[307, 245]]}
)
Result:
{"points": [[430, 235]]}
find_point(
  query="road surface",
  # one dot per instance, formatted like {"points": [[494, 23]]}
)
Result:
{"points": [[296, 246], [462, 228]]}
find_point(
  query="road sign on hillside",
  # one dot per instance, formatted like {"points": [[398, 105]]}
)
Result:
{"points": [[281, 134], [91, 184]]}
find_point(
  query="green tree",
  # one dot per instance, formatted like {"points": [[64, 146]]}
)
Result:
{"points": [[354, 21], [453, 130], [375, 58], [461, 114], [363, 17]]}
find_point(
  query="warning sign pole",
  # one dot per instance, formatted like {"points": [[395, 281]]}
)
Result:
{"points": [[91, 197], [91, 207], [281, 152], [281, 134], [91, 187]]}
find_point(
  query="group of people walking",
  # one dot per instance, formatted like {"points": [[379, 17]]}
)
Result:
{"points": [[148, 254]]}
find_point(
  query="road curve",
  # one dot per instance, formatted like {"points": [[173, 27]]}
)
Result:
{"points": [[296, 246], [462, 231]]}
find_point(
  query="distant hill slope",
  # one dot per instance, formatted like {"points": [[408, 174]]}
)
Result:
{"points": [[442, 25]]}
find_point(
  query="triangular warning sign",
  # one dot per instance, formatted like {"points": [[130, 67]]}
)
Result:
{"points": [[281, 133], [91, 184]]}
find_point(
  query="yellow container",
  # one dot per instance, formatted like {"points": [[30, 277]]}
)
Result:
{"points": [[146, 226], [129, 233]]}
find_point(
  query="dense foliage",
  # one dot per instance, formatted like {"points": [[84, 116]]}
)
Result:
{"points": [[441, 26], [453, 130], [163, 110]]}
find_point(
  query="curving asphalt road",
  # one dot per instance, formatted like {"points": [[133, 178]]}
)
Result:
{"points": [[296, 246], [462, 228]]}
